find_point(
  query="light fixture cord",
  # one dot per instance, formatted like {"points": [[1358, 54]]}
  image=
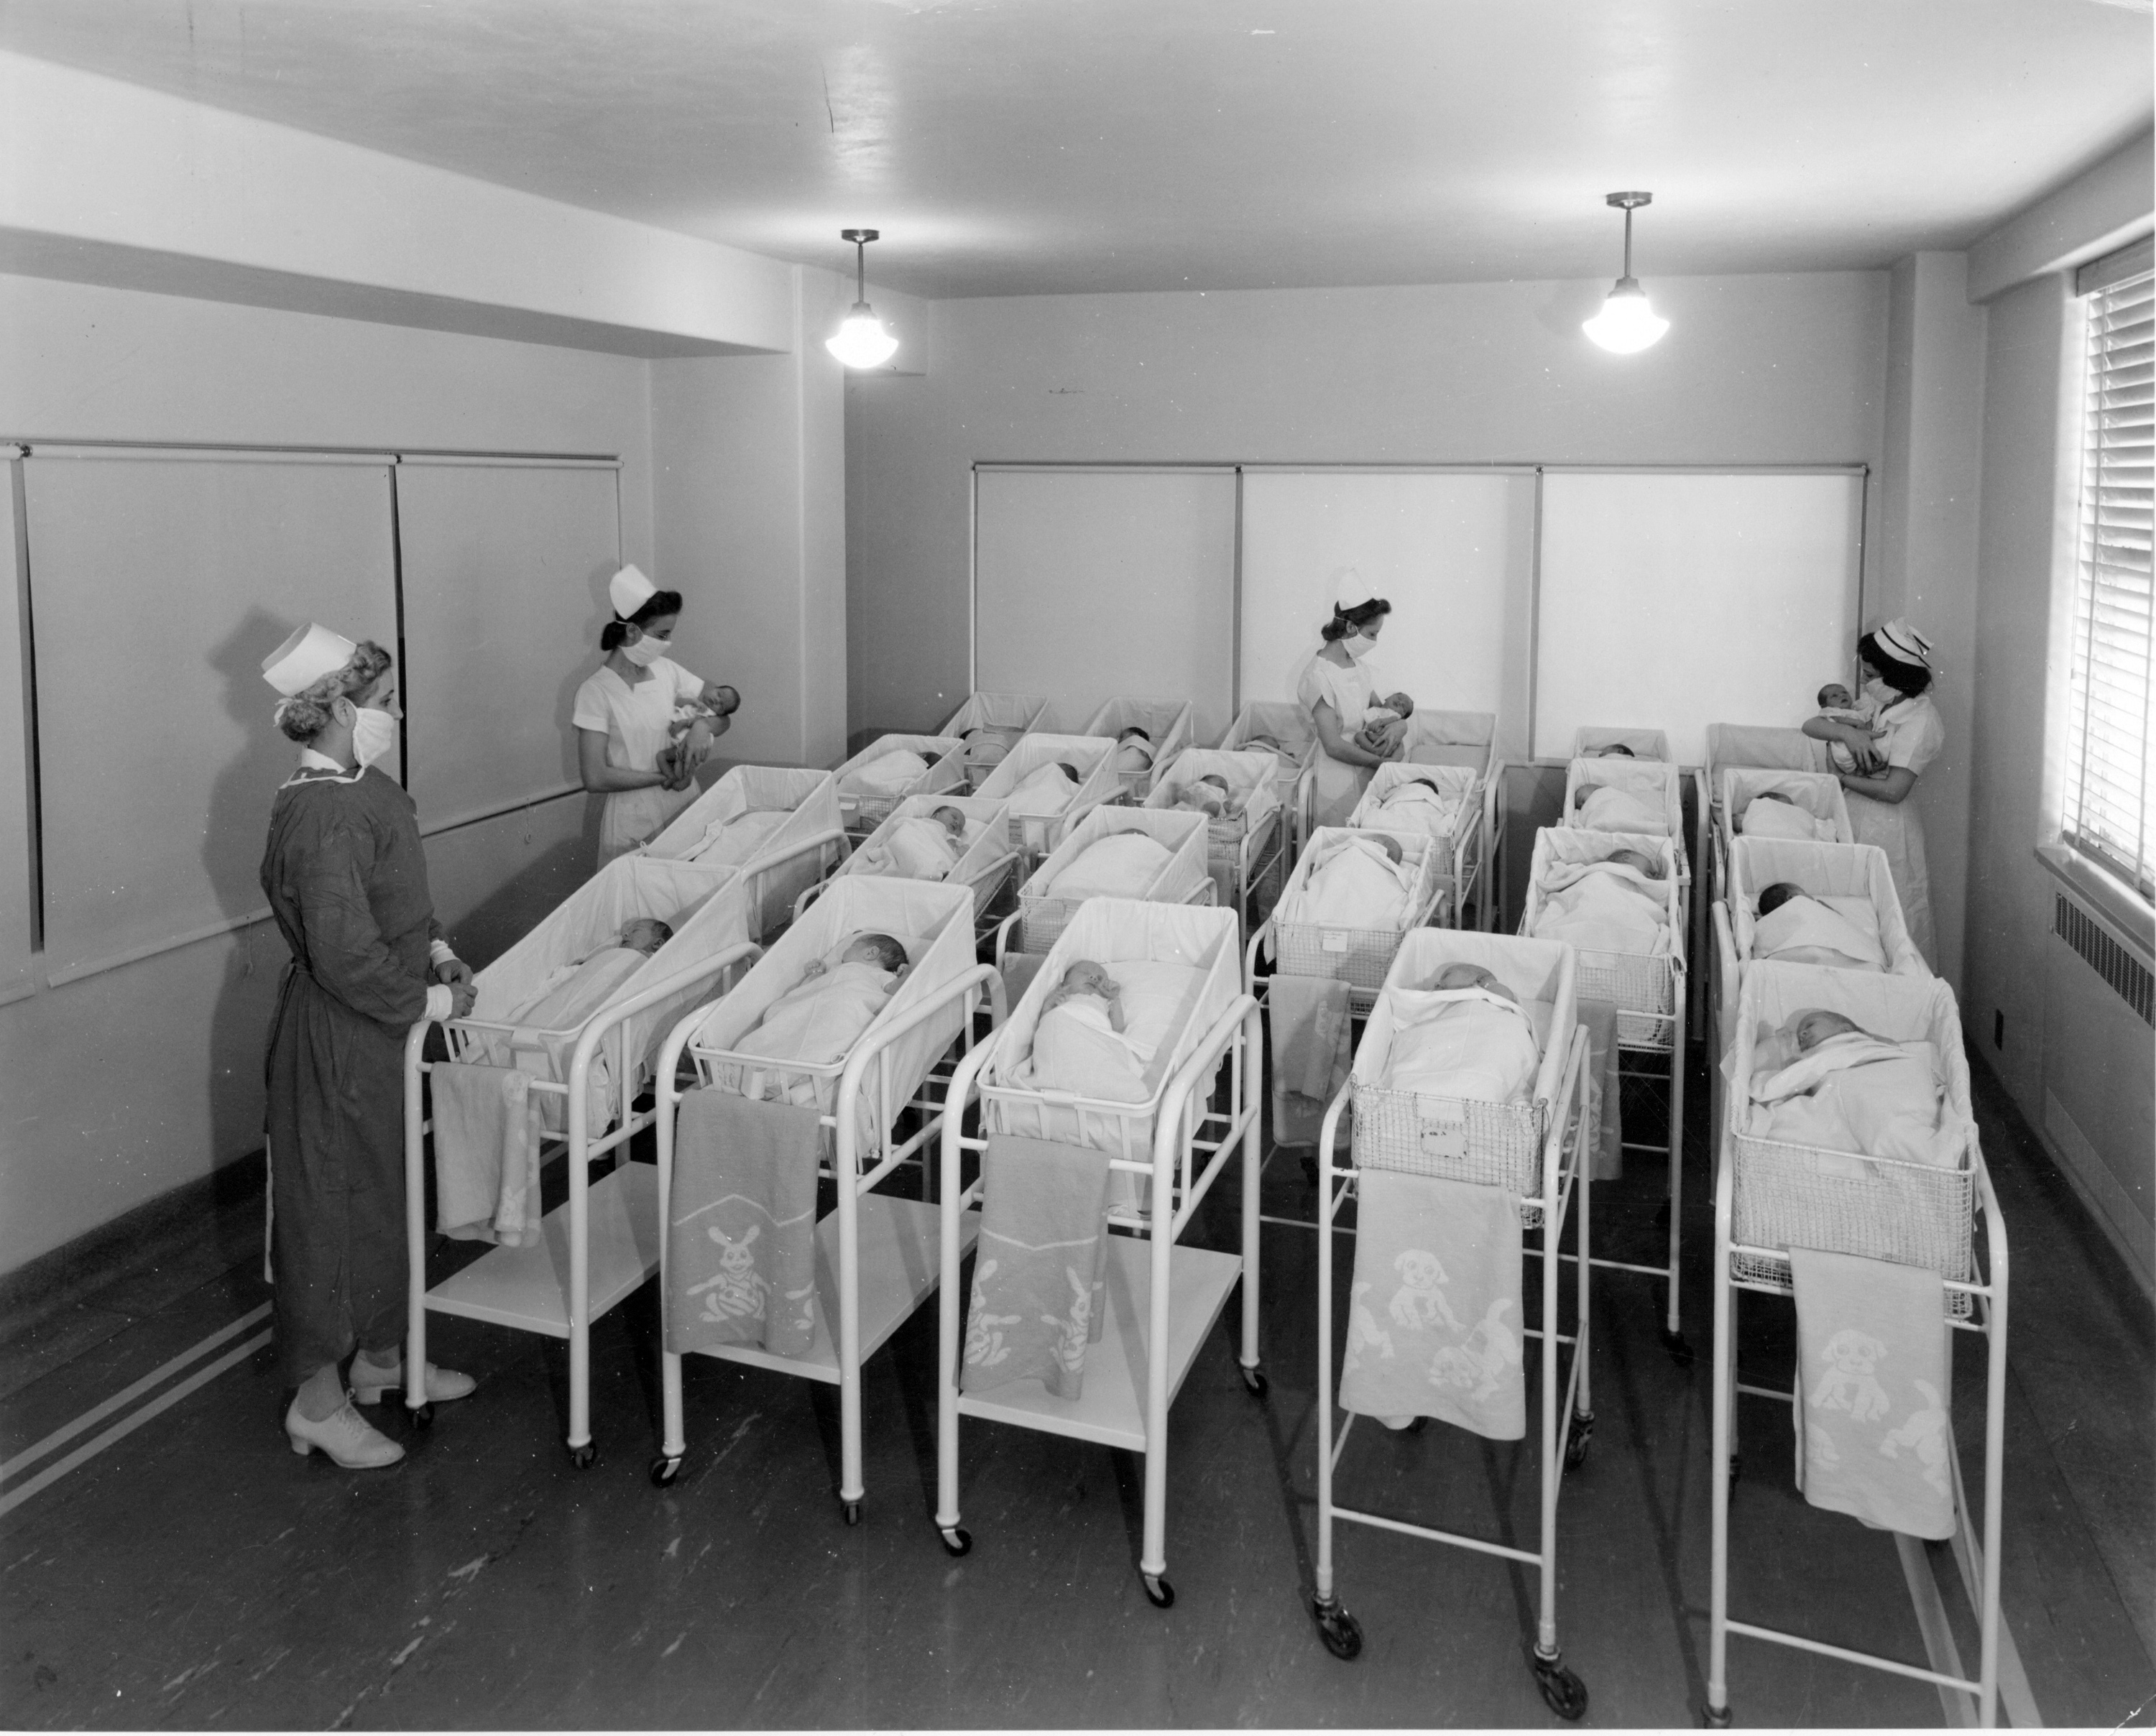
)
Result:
{"points": [[861, 261], [1628, 241]]}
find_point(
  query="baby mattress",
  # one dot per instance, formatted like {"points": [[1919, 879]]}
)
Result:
{"points": [[1818, 794], [1646, 987], [1046, 912], [1301, 943], [1790, 1196], [1201, 940], [1823, 870], [1495, 1145], [935, 925], [1095, 762], [710, 911], [863, 807], [1592, 741], [1007, 716]]}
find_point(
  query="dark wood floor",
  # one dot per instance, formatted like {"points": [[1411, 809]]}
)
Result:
{"points": [[195, 1573]]}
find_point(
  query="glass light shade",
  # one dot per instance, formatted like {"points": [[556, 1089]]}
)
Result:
{"points": [[862, 341], [1627, 324]]}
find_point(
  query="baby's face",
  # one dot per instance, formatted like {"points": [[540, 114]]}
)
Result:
{"points": [[1087, 978], [1456, 977], [861, 951], [1835, 698], [1815, 1026], [645, 934], [1389, 844], [950, 819], [729, 699]]}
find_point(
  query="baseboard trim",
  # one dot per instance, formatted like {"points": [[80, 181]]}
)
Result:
{"points": [[138, 1238]]}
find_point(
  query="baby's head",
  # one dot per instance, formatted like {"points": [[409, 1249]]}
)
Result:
{"points": [[1815, 1026], [729, 701], [1834, 697], [950, 819], [1133, 734], [1456, 976], [1614, 750], [644, 933], [1426, 781], [1580, 795], [1400, 702], [1068, 770], [881, 951], [1270, 743], [1780, 894], [1085, 977], [1775, 796], [1386, 842], [1638, 861], [1214, 782]]}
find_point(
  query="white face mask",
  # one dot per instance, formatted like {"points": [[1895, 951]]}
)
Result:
{"points": [[646, 651], [1360, 645], [373, 736]]}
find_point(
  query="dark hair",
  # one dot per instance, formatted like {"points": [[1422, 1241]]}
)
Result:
{"points": [[1070, 772], [1776, 895], [1345, 621], [1819, 698], [1617, 747], [307, 714], [890, 954], [1907, 679], [659, 603], [1134, 729]]}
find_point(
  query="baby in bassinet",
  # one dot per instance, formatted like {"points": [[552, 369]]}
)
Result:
{"points": [[1098, 1033], [986, 746], [1210, 795], [1611, 751], [1124, 865], [816, 1021], [1361, 880], [1133, 752], [1838, 705], [1781, 818], [1614, 905], [572, 992], [1606, 808], [1467, 1037], [1825, 1082], [891, 774], [1797, 929], [1046, 790], [1416, 804], [921, 847]]}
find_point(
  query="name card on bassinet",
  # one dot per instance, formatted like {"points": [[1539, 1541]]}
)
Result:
{"points": [[1443, 1138], [1334, 941]]}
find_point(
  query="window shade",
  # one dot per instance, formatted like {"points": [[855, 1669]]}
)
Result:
{"points": [[2108, 764]]}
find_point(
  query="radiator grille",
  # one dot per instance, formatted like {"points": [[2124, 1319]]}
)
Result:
{"points": [[2126, 975]]}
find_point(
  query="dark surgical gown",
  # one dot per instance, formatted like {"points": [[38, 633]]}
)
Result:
{"points": [[347, 884]]}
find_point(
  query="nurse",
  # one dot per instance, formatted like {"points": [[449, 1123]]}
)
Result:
{"points": [[623, 711], [1897, 660], [1336, 689], [347, 884]]}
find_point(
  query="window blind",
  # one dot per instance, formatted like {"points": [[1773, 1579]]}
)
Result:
{"points": [[2108, 802]]}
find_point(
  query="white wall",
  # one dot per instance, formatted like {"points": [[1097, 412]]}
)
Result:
{"points": [[126, 1084], [1755, 370]]}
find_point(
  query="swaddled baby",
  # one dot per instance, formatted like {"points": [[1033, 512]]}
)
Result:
{"points": [[1081, 1044], [1133, 752], [1611, 807], [1210, 795], [1774, 813], [569, 997], [816, 1021], [1384, 725], [1837, 705], [1618, 904], [1608, 751], [1284, 756], [1797, 929], [1357, 880], [891, 774], [987, 746], [1847, 1090], [1416, 804], [1124, 865], [690, 734], [1046, 790], [1465, 1037], [919, 846]]}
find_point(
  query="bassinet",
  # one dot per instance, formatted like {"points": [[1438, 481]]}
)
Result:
{"points": [[1647, 988], [1167, 726], [809, 800], [863, 810], [1359, 957], [1095, 761], [1288, 723], [983, 865], [1244, 849], [1183, 878], [1014, 715], [1590, 741], [1822, 870]]}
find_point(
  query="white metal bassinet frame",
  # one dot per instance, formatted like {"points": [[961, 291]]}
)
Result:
{"points": [[1566, 1421], [1184, 1289], [876, 1296]]}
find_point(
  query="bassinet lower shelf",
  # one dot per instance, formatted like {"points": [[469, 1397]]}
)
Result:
{"points": [[528, 1288]]}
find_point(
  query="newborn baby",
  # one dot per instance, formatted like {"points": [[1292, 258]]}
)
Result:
{"points": [[1611, 750], [986, 746], [1614, 905], [1133, 752], [1797, 929], [572, 992], [1416, 804], [1384, 726], [1849, 1090], [1611, 807], [1775, 813], [919, 846], [1046, 790], [816, 1021], [1210, 795], [1089, 983], [1837, 704], [1467, 1037], [1123, 864], [644, 935], [1638, 861], [891, 774], [690, 734], [1357, 880]]}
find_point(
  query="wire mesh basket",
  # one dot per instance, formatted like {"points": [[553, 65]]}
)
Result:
{"points": [[1493, 1145], [1913, 1214]]}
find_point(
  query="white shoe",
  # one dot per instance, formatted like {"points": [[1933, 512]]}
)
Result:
{"points": [[369, 1383], [345, 1435]]}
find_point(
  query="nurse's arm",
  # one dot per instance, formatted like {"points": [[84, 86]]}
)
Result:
{"points": [[1891, 786], [602, 779], [1859, 742], [1336, 741]]}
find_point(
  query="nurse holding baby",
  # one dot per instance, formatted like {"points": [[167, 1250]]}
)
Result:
{"points": [[1357, 730], [644, 723]]}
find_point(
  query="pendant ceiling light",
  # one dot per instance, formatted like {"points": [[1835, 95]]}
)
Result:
{"points": [[1626, 323], [861, 341]]}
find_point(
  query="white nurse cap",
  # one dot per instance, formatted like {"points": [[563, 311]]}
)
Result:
{"points": [[1903, 642], [630, 591], [311, 652]]}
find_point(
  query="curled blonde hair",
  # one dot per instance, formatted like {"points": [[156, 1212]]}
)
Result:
{"points": [[307, 714]]}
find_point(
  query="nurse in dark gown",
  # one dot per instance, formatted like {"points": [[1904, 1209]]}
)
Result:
{"points": [[347, 884]]}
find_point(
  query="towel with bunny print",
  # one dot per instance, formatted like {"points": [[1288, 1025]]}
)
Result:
{"points": [[1040, 1268], [741, 1247], [1874, 1369], [1434, 1316]]}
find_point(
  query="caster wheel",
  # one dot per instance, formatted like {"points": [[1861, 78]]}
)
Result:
{"points": [[850, 1512], [1342, 1633], [1583, 1437], [585, 1457], [664, 1471], [423, 1416], [1681, 1353], [1255, 1382], [1562, 1692], [957, 1540], [1716, 1718], [1159, 1591]]}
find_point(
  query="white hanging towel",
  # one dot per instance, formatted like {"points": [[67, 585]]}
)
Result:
{"points": [[1874, 1374], [1434, 1319], [487, 1154]]}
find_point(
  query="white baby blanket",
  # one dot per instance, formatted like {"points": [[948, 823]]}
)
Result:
{"points": [[1840, 932], [741, 1251], [1124, 865], [1461, 1043], [1433, 1315], [914, 848], [487, 1154], [1410, 807], [1608, 808], [1873, 1372], [1604, 907], [735, 840], [1763, 818], [1352, 884], [1855, 1093], [1046, 790], [1312, 1049], [1038, 1266], [816, 1021], [891, 774], [1133, 758], [571, 994], [1075, 1049]]}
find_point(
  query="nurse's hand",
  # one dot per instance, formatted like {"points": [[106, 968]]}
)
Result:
{"points": [[453, 971], [463, 996]]}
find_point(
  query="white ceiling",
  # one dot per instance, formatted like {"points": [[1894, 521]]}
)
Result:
{"points": [[1034, 146]]}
